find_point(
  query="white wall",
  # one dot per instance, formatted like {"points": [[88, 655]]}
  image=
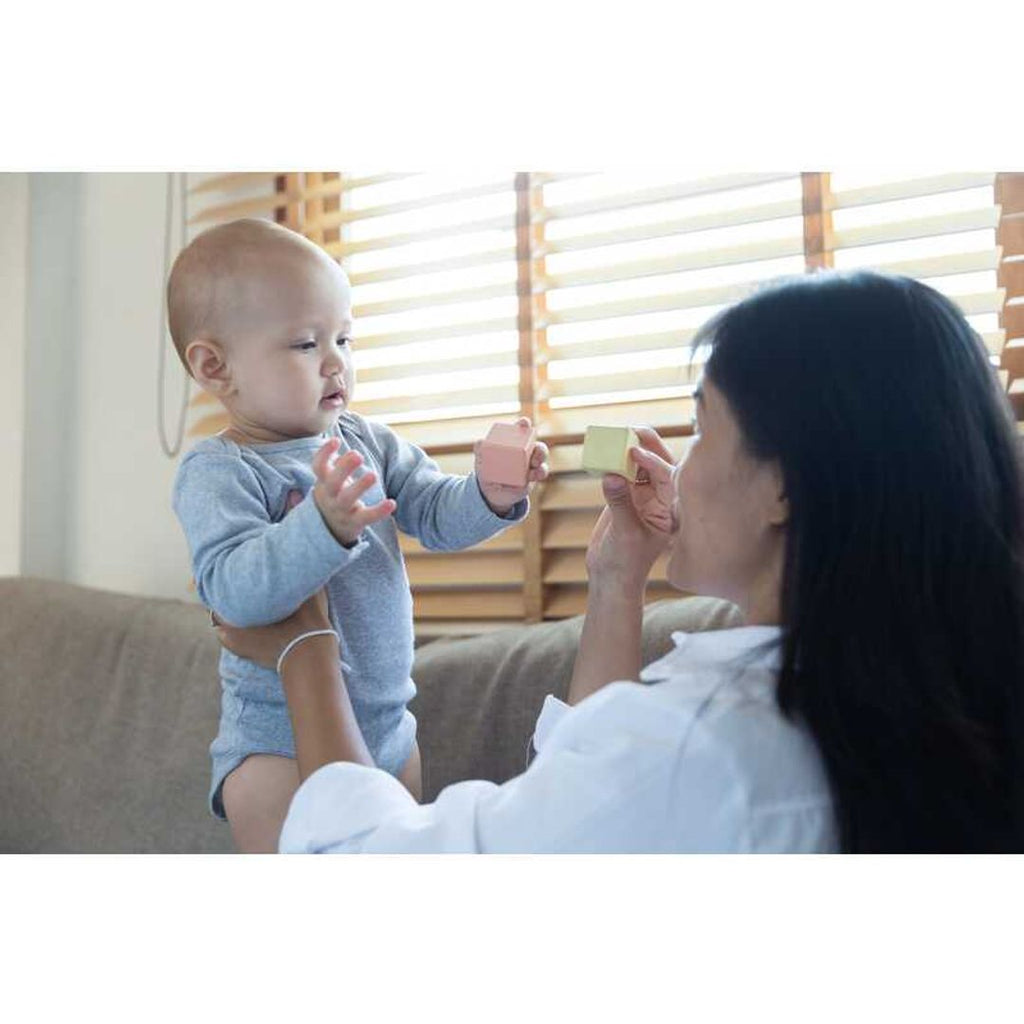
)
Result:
{"points": [[51, 372], [14, 205], [97, 468], [123, 534]]}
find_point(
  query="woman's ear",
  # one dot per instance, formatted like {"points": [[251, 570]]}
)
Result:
{"points": [[778, 513], [769, 494], [209, 367]]}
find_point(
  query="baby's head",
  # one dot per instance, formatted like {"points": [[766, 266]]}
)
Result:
{"points": [[262, 319]]}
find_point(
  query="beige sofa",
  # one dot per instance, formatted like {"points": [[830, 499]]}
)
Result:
{"points": [[108, 704]]}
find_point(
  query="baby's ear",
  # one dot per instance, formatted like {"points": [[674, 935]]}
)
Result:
{"points": [[209, 367]]}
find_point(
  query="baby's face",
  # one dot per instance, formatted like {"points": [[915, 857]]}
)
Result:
{"points": [[288, 346]]}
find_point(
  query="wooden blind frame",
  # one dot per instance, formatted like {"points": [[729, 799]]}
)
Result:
{"points": [[1010, 238], [817, 213], [532, 376]]}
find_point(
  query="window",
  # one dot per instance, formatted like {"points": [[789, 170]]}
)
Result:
{"points": [[570, 298]]}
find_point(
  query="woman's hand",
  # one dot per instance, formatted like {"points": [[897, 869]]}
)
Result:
{"points": [[654, 492], [635, 528], [264, 644]]}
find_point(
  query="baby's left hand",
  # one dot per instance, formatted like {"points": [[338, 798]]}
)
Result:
{"points": [[502, 497]]}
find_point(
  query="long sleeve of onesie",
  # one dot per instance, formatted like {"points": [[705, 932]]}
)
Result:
{"points": [[444, 512]]}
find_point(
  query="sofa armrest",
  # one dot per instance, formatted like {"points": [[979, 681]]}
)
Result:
{"points": [[479, 698]]}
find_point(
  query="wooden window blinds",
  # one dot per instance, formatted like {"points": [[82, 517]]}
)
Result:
{"points": [[571, 298]]}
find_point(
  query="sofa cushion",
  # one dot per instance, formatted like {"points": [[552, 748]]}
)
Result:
{"points": [[479, 698], [108, 704]]}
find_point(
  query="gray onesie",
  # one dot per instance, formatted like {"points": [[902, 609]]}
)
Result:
{"points": [[253, 564]]}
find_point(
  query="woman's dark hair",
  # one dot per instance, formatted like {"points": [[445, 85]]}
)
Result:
{"points": [[903, 588]]}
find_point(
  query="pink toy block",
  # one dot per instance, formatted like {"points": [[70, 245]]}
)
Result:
{"points": [[505, 454]]}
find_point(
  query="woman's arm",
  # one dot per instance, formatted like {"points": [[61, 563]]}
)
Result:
{"points": [[623, 548], [323, 722]]}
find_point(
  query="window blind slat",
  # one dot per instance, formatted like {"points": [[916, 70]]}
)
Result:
{"points": [[402, 305], [659, 194], [239, 180], [362, 181], [468, 604], [667, 228], [663, 377], [411, 270], [566, 601], [502, 222], [650, 304], [907, 189], [943, 266], [625, 343], [483, 568], [510, 540], [569, 528], [752, 253], [572, 492], [340, 217], [569, 567], [670, 414], [454, 433], [412, 403], [238, 208], [416, 368], [387, 339], [923, 227]]}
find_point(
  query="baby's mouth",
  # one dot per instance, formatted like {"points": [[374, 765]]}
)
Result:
{"points": [[333, 399]]}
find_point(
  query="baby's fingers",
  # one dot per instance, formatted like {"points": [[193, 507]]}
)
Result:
{"points": [[341, 471], [322, 459], [351, 493], [539, 468], [364, 515]]}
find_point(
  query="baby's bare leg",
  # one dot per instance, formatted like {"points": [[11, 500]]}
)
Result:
{"points": [[256, 798], [411, 775]]}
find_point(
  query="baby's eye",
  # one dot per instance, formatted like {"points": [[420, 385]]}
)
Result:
{"points": [[343, 341], [304, 346]]}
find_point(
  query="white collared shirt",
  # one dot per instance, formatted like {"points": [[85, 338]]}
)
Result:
{"points": [[696, 758]]}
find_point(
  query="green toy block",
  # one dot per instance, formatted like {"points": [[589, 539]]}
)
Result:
{"points": [[606, 450]]}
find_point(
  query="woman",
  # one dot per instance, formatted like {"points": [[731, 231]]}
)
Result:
{"points": [[855, 487]]}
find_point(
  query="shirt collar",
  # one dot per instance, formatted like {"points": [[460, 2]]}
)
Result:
{"points": [[751, 646]]}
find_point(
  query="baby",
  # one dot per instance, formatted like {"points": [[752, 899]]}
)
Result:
{"points": [[298, 493]]}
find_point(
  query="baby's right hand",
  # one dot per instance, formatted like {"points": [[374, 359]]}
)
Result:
{"points": [[338, 499]]}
